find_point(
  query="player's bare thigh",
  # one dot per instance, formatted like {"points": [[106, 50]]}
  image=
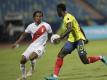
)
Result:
{"points": [[33, 56]]}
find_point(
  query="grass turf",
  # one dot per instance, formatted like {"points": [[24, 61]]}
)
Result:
{"points": [[72, 69]]}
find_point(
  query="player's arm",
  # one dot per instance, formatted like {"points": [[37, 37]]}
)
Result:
{"points": [[19, 40], [69, 29], [63, 35], [86, 41]]}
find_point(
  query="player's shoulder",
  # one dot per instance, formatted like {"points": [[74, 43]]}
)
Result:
{"points": [[68, 15], [68, 18], [46, 24]]}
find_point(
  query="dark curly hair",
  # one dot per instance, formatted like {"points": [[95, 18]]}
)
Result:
{"points": [[34, 14]]}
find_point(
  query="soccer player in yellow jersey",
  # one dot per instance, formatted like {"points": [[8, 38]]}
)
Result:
{"points": [[76, 40]]}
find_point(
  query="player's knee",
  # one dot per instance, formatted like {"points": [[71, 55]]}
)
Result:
{"points": [[33, 56], [23, 60], [62, 54]]}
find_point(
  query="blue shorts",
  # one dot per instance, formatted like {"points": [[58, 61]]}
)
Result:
{"points": [[70, 46]]}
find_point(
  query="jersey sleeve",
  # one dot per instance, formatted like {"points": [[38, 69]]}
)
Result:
{"points": [[68, 18], [49, 29], [27, 30]]}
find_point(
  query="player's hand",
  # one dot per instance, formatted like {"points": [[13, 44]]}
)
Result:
{"points": [[15, 45], [86, 41]]}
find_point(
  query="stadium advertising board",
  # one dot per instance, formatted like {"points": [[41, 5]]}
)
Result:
{"points": [[95, 32]]}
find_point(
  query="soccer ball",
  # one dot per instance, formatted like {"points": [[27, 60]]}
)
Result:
{"points": [[54, 38]]}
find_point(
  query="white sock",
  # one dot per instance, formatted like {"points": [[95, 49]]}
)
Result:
{"points": [[33, 65], [23, 70], [101, 57], [55, 76]]}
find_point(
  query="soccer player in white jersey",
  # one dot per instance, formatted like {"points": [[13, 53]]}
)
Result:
{"points": [[39, 31]]}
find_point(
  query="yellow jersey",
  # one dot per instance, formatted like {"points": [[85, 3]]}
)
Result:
{"points": [[76, 33]]}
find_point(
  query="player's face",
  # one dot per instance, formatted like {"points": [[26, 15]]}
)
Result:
{"points": [[59, 12], [38, 17]]}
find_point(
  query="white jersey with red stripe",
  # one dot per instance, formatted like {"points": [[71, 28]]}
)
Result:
{"points": [[39, 35], [39, 32]]}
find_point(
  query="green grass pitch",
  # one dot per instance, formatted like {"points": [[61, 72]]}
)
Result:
{"points": [[72, 69]]}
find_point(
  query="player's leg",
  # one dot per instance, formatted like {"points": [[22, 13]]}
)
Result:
{"points": [[37, 53], [24, 59], [33, 63], [81, 51], [83, 54], [58, 65], [32, 58], [67, 49], [22, 67]]}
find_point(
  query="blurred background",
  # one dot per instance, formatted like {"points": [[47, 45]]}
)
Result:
{"points": [[15, 15]]}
